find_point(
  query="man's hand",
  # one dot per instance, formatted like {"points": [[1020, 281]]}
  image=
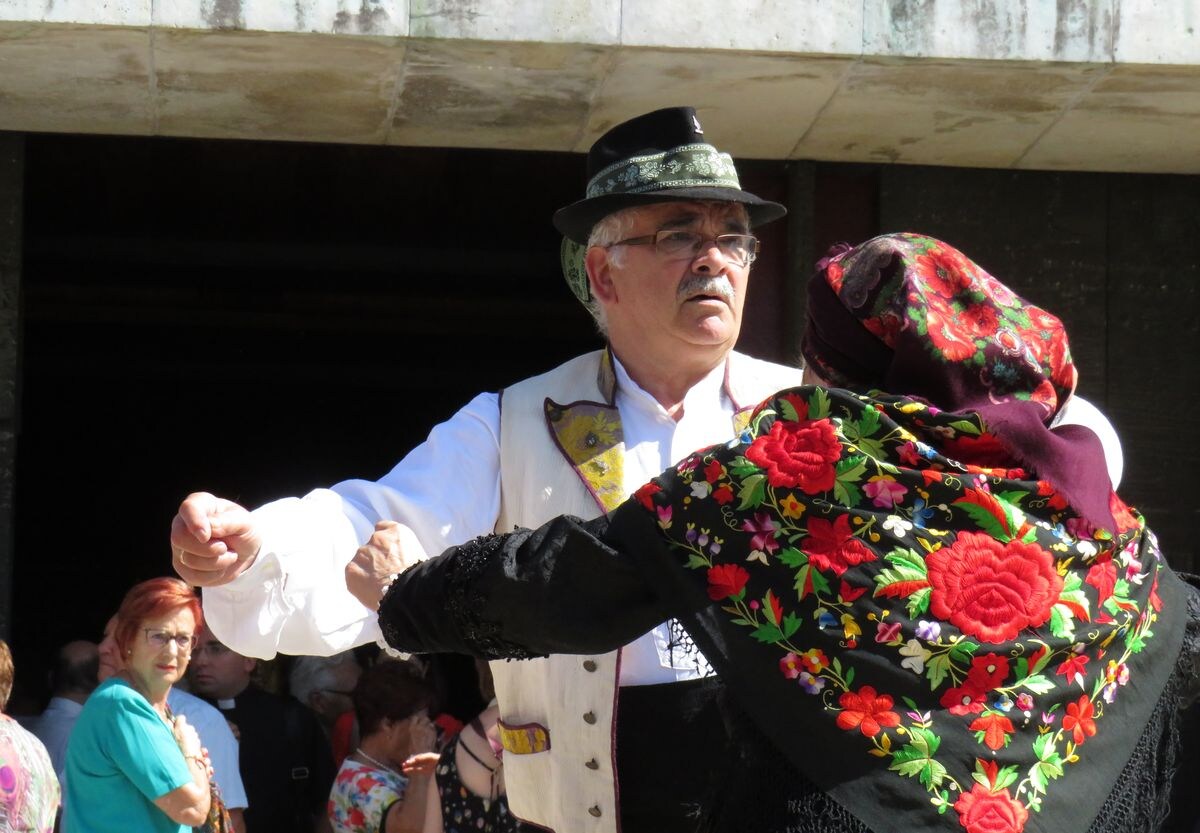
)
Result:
{"points": [[212, 540], [393, 548]]}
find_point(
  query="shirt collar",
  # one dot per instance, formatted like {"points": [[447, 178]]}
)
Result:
{"points": [[704, 391]]}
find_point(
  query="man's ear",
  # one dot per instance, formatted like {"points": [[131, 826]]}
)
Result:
{"points": [[599, 270]]}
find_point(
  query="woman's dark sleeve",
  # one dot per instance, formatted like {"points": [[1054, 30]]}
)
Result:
{"points": [[568, 587]]}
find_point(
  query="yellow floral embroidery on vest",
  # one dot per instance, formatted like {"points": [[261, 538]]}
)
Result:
{"points": [[528, 739], [589, 436]]}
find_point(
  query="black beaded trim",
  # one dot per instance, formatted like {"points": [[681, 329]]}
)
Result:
{"points": [[464, 600]]}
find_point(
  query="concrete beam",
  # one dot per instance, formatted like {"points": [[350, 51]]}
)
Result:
{"points": [[1104, 85]]}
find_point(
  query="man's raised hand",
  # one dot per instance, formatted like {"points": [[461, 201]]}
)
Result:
{"points": [[213, 540], [393, 548]]}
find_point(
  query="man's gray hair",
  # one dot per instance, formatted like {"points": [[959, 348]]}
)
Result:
{"points": [[309, 674], [609, 230]]}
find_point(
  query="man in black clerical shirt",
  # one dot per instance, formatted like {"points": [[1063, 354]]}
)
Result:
{"points": [[285, 759]]}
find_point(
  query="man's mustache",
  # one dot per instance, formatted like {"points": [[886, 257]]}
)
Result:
{"points": [[694, 285]]}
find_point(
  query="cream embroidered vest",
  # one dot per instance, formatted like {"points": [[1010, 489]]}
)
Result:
{"points": [[561, 452]]}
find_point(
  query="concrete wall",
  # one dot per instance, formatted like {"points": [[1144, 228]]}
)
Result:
{"points": [[1110, 85]]}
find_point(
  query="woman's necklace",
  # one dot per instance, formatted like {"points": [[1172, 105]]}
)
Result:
{"points": [[379, 764]]}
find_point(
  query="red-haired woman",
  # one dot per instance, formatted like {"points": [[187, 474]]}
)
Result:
{"points": [[129, 765]]}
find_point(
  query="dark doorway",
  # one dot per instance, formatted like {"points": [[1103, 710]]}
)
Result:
{"points": [[259, 319]]}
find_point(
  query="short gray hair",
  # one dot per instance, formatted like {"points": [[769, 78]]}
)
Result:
{"points": [[609, 230]]}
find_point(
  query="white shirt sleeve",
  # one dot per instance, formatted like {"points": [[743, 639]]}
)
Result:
{"points": [[294, 600], [217, 738]]}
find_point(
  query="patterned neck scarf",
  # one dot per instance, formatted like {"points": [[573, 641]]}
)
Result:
{"points": [[907, 313], [939, 645]]}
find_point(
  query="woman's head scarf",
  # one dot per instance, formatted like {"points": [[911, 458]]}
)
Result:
{"points": [[909, 314]]}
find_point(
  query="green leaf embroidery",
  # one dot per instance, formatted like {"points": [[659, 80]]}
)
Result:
{"points": [[818, 404], [752, 492], [916, 758], [791, 557], [697, 561], [1037, 683], [788, 411], [918, 603], [963, 650], [767, 633], [965, 427], [791, 624], [936, 670], [1062, 624]]}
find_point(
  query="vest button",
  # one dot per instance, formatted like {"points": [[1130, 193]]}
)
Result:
{"points": [[589, 665], [595, 810], [590, 440], [592, 764], [589, 717]]}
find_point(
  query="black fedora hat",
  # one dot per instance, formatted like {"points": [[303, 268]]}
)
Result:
{"points": [[657, 157]]}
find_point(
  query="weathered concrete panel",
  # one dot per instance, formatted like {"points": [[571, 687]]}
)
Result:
{"points": [[1157, 32], [74, 79], [109, 13], [563, 21], [475, 94], [257, 85], [1029, 30], [789, 93], [386, 18], [942, 112], [831, 27], [1137, 118]]}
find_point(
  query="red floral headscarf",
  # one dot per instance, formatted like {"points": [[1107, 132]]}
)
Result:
{"points": [[912, 315]]}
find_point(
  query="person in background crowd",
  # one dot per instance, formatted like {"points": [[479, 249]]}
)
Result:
{"points": [[469, 795], [284, 756], [325, 684], [130, 764], [72, 679], [218, 741], [929, 610], [382, 784], [29, 790]]}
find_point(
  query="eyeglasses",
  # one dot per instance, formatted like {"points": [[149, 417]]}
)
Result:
{"points": [[160, 639], [677, 243]]}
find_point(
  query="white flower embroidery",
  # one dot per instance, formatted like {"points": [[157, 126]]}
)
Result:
{"points": [[896, 525], [701, 488]]}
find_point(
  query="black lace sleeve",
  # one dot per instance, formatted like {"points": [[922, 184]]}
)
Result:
{"points": [[562, 588]]}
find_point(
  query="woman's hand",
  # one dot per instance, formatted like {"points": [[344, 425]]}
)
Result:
{"points": [[187, 738], [422, 763]]}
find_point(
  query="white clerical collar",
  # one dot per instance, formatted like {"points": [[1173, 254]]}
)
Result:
{"points": [[226, 703]]}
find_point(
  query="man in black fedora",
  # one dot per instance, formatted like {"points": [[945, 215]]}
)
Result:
{"points": [[660, 250]]}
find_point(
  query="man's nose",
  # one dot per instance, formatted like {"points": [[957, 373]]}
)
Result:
{"points": [[710, 260]]}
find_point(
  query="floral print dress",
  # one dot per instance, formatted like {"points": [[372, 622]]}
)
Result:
{"points": [[361, 794], [29, 789]]}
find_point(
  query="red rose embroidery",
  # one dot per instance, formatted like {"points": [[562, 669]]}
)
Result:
{"points": [[832, 546], [866, 711], [982, 811], [726, 580], [990, 590], [798, 454]]}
